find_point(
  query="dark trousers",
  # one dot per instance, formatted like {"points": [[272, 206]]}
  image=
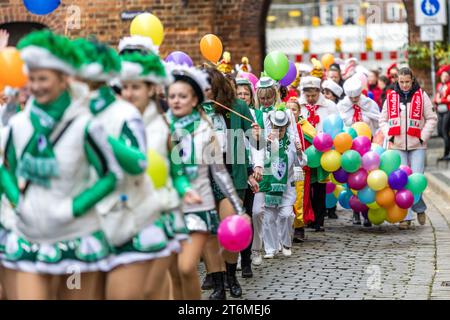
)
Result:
{"points": [[246, 254], [443, 130], [318, 197]]}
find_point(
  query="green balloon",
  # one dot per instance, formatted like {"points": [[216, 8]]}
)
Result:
{"points": [[314, 156], [390, 161], [377, 216], [417, 183], [351, 161], [351, 132], [276, 65]]}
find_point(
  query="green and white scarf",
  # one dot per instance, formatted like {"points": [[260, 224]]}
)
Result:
{"points": [[275, 179], [101, 101], [38, 163], [267, 109], [183, 130]]}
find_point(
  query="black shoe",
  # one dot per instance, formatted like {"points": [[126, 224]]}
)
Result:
{"points": [[208, 282], [319, 229], [219, 287], [367, 223], [247, 271], [233, 283], [446, 158], [356, 218], [332, 215]]}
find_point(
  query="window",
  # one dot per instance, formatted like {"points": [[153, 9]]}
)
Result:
{"points": [[351, 13], [328, 14], [394, 12]]}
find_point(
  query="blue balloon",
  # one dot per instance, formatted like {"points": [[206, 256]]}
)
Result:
{"points": [[417, 198], [41, 7], [370, 95], [331, 201], [333, 125], [378, 149], [344, 199], [366, 195]]}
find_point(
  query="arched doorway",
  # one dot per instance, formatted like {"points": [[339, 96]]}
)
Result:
{"points": [[17, 30]]}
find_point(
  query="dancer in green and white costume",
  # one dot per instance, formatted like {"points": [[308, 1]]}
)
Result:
{"points": [[142, 73], [48, 150], [131, 215], [197, 151]]}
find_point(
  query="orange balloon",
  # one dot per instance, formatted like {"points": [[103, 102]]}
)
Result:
{"points": [[385, 198], [11, 68], [343, 142], [2, 86], [396, 214], [211, 48], [327, 60]]}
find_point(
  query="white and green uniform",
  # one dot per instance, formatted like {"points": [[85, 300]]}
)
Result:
{"points": [[48, 152], [158, 135], [196, 155], [131, 215]]}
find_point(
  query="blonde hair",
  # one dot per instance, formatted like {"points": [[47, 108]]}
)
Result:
{"points": [[268, 92]]}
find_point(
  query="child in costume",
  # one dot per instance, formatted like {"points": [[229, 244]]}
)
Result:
{"points": [[314, 109], [49, 150]]}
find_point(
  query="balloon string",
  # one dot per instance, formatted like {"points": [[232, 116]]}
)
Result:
{"points": [[231, 110]]}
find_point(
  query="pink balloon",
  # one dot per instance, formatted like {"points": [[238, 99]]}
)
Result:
{"points": [[371, 161], [358, 180], [406, 169], [323, 142], [251, 77], [357, 205], [330, 187], [404, 199], [234, 233], [362, 145]]}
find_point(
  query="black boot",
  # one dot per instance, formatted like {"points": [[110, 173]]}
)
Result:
{"points": [[233, 283], [247, 271], [208, 282], [356, 218], [332, 213], [219, 287]]}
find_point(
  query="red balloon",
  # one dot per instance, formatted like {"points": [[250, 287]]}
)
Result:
{"points": [[357, 205], [362, 145], [404, 199], [357, 180]]}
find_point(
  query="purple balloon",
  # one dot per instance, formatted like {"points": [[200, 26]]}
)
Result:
{"points": [[290, 75], [179, 57], [341, 175], [358, 180], [323, 142], [362, 145], [404, 199], [398, 179], [371, 161], [357, 205]]}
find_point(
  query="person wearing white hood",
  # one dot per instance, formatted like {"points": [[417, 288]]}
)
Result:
{"points": [[316, 108], [356, 107]]}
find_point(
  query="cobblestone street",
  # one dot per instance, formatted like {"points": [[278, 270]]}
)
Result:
{"points": [[353, 262]]}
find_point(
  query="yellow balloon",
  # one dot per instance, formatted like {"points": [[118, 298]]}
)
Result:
{"points": [[362, 129], [157, 169], [331, 161], [377, 180], [355, 192], [338, 191], [373, 205], [148, 25]]}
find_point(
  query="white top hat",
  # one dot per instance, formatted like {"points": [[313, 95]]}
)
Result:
{"points": [[265, 82], [279, 118], [310, 82], [333, 87], [353, 87]]}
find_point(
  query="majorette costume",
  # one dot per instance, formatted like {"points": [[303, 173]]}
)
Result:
{"points": [[194, 140], [49, 151], [130, 216], [150, 69], [366, 110], [225, 65]]}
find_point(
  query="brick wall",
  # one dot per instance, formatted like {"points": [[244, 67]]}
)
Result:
{"points": [[239, 23]]}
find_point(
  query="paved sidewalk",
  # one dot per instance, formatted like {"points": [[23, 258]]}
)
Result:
{"points": [[353, 262]]}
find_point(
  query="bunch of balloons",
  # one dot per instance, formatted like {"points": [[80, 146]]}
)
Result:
{"points": [[365, 177]]}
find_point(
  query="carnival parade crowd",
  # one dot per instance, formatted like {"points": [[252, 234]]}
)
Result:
{"points": [[118, 167]]}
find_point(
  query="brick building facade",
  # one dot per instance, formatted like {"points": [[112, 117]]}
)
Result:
{"points": [[239, 23]]}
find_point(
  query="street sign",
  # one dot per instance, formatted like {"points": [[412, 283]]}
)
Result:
{"points": [[432, 33], [429, 12]]}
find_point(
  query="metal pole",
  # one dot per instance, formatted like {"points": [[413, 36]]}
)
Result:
{"points": [[433, 68], [448, 21]]}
